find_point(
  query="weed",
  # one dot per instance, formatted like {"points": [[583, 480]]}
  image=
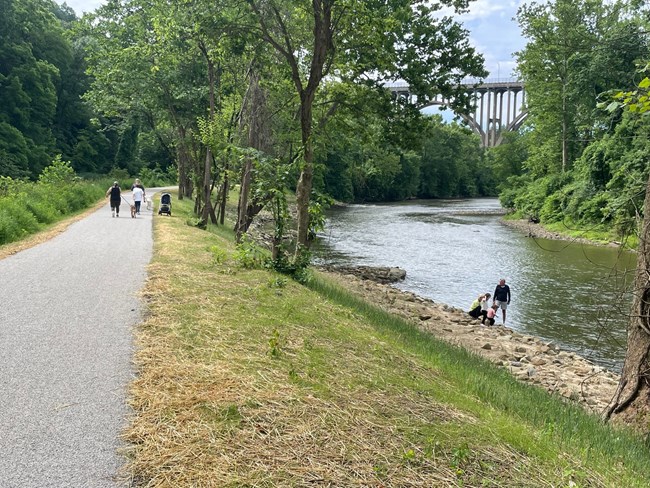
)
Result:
{"points": [[218, 255], [275, 344], [409, 456], [459, 457], [231, 414], [249, 256], [297, 268], [278, 282], [196, 222]]}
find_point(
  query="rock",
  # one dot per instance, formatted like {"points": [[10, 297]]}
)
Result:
{"points": [[516, 364], [424, 317], [371, 273], [487, 346], [538, 361], [521, 349]]}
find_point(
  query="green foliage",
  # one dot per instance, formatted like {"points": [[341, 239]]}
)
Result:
{"points": [[58, 173], [275, 344], [441, 161], [26, 207], [601, 184], [297, 266], [156, 176], [219, 256], [42, 80], [120, 175], [317, 206], [249, 255]]}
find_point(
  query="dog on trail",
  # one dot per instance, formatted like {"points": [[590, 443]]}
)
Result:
{"points": [[132, 211]]}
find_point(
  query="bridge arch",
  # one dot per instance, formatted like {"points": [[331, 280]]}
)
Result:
{"points": [[499, 107]]}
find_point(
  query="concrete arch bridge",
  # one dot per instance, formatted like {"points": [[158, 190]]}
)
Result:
{"points": [[499, 107]]}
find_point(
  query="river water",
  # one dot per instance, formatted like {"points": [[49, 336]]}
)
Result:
{"points": [[453, 250]]}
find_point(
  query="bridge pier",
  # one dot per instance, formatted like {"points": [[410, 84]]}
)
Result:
{"points": [[487, 119]]}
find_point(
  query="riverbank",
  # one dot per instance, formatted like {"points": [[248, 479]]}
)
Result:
{"points": [[527, 358], [247, 378], [538, 231]]}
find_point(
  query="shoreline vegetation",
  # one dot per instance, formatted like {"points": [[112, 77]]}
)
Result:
{"points": [[540, 231], [247, 378]]}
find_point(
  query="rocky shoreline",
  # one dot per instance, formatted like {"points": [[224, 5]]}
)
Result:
{"points": [[528, 358]]}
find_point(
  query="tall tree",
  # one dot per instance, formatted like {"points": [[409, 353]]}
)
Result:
{"points": [[555, 65], [361, 41], [631, 402]]}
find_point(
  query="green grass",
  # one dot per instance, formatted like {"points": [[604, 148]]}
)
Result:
{"points": [[598, 234], [247, 378]]}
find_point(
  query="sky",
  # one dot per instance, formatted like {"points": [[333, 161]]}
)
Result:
{"points": [[493, 32]]}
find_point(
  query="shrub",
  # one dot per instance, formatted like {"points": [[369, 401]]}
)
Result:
{"points": [[42, 211], [58, 173], [17, 221]]}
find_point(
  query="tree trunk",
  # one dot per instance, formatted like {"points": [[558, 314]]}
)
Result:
{"points": [[303, 189], [183, 163], [244, 190], [631, 403], [224, 196], [207, 167]]}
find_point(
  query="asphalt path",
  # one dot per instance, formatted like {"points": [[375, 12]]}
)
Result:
{"points": [[68, 308]]}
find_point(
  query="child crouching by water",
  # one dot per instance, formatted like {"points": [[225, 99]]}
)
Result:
{"points": [[490, 314]]}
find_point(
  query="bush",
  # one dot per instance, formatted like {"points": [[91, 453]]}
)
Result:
{"points": [[26, 206], [16, 220], [42, 211]]}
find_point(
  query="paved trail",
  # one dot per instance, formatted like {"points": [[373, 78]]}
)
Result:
{"points": [[67, 311]]}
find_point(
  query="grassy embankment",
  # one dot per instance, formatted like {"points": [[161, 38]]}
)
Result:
{"points": [[247, 378]]}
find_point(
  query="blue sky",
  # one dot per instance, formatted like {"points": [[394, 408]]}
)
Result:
{"points": [[492, 31]]}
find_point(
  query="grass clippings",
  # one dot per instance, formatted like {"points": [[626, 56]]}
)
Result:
{"points": [[246, 379]]}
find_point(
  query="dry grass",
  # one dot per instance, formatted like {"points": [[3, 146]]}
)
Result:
{"points": [[245, 383]]}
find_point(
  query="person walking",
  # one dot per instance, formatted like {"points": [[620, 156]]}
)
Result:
{"points": [[502, 297], [138, 195], [138, 184], [115, 194]]}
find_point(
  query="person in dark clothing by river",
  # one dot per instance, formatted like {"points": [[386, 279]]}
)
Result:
{"points": [[116, 197], [502, 297]]}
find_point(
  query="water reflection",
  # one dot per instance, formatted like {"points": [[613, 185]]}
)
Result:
{"points": [[569, 293]]}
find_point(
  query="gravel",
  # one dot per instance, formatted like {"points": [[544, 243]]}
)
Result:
{"points": [[68, 308]]}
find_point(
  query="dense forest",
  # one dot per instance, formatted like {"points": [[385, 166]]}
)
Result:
{"points": [[581, 164], [143, 85], [274, 96]]}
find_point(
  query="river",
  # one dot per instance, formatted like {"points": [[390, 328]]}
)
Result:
{"points": [[453, 250]]}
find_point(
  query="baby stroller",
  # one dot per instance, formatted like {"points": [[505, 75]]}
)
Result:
{"points": [[165, 204]]}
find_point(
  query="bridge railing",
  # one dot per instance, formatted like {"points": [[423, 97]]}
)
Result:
{"points": [[466, 82]]}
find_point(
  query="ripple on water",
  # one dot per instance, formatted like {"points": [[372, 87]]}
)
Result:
{"points": [[454, 250]]}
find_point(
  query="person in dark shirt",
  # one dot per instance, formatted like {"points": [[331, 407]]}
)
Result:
{"points": [[502, 297], [116, 196]]}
